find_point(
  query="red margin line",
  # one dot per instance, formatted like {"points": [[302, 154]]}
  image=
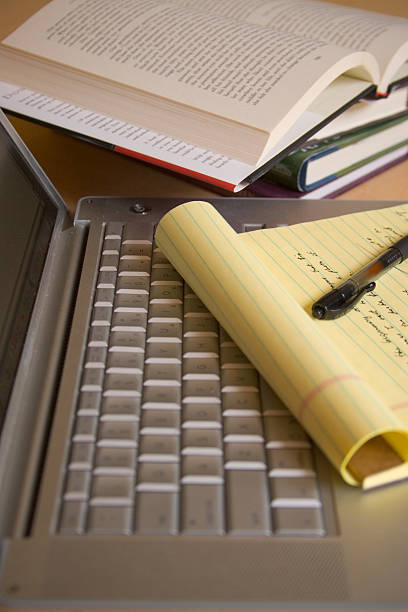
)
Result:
{"points": [[321, 387]]}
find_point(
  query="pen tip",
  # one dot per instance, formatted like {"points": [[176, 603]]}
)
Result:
{"points": [[318, 311]]}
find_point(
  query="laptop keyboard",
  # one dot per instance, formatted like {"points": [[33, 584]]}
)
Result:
{"points": [[174, 431]]}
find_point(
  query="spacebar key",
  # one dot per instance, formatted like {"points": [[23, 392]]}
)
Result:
{"points": [[247, 503]]}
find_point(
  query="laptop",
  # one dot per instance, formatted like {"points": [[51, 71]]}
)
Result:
{"points": [[143, 460]]}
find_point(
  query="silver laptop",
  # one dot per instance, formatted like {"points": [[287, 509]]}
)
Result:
{"points": [[143, 461]]}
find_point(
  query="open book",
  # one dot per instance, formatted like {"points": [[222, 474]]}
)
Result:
{"points": [[247, 87], [345, 380]]}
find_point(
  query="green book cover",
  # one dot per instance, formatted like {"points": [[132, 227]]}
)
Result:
{"points": [[292, 171]]}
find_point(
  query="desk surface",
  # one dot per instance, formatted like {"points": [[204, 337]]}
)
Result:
{"points": [[78, 169]]}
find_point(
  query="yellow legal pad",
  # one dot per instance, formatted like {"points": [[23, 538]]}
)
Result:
{"points": [[345, 380]]}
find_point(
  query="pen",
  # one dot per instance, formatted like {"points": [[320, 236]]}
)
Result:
{"points": [[341, 299]]}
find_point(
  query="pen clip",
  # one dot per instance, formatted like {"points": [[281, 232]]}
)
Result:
{"points": [[333, 313]]}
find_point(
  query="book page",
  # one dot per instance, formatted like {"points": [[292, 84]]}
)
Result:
{"points": [[382, 35], [346, 380], [131, 139], [144, 44]]}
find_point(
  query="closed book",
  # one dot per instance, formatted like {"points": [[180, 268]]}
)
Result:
{"points": [[272, 189], [321, 161]]}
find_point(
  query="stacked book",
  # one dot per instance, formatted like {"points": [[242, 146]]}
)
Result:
{"points": [[367, 139]]}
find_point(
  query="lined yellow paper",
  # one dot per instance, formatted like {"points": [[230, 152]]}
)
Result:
{"points": [[345, 380]]}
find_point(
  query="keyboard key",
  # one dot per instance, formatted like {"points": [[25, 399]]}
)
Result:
{"points": [[239, 379], [110, 519], [284, 431], [165, 275], [172, 311], [166, 292], [163, 420], [113, 231], [158, 477], [201, 415], [163, 352], [95, 357], [156, 513], [162, 373], [120, 408], [110, 461], [92, 379], [247, 503], [162, 397], [129, 384], [112, 490], [77, 485], [136, 249], [241, 404], [101, 315], [201, 442], [200, 389], [202, 470], [201, 368], [233, 357], [159, 448], [129, 283], [193, 305], [243, 429], [99, 335], [124, 362], [294, 492], [130, 264], [111, 246], [158, 256], [200, 346], [109, 261], [131, 301], [81, 456], [89, 402], [106, 279], [85, 428], [164, 330], [72, 518], [202, 509], [112, 243], [118, 433], [244, 456], [290, 462], [104, 297], [140, 248], [298, 522], [206, 326], [127, 341]]}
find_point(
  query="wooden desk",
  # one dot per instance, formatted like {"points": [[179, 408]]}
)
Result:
{"points": [[78, 168]]}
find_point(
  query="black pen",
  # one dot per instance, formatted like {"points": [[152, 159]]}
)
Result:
{"points": [[341, 299]]}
